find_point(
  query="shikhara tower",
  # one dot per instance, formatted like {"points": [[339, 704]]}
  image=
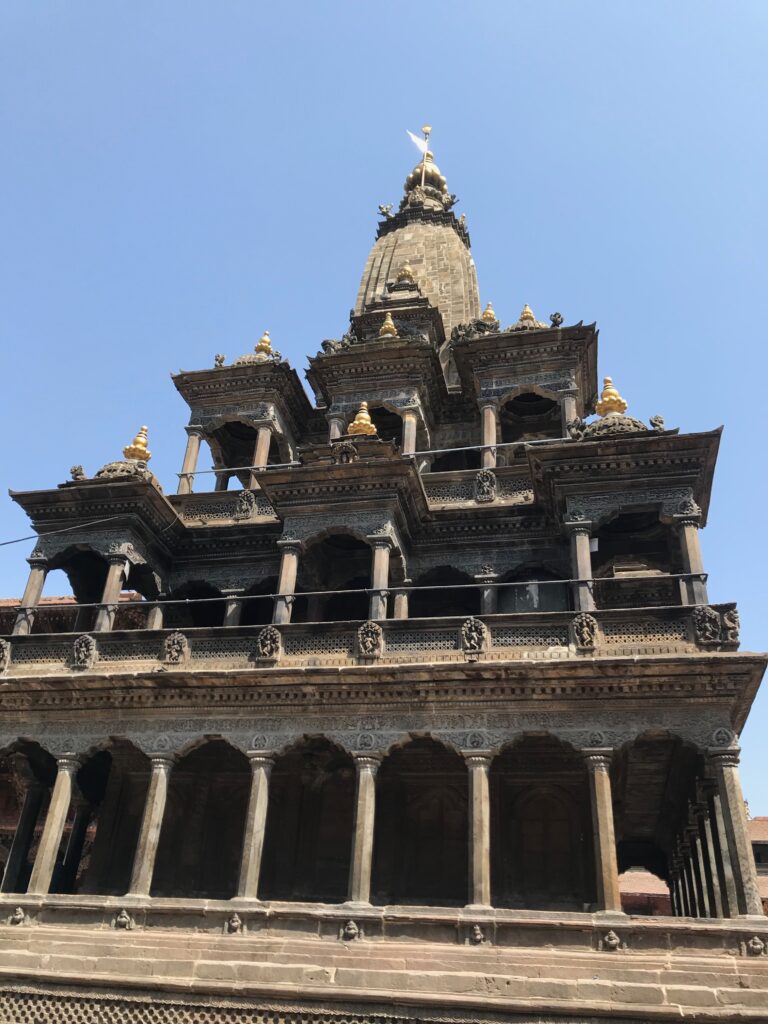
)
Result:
{"points": [[364, 722]]}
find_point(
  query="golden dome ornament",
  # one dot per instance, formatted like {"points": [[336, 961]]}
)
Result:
{"points": [[488, 315], [137, 450], [527, 321], [610, 400], [388, 329], [362, 423], [264, 344], [405, 275]]}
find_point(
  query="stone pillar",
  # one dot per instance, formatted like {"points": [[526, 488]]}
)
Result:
{"points": [[337, 426], [233, 609], [697, 871], [725, 764], [38, 569], [489, 432], [151, 824], [366, 766], [706, 848], [567, 411], [410, 424], [683, 903], [155, 616], [606, 868], [401, 602], [22, 838], [489, 595], [222, 479], [693, 590], [189, 465], [74, 851], [581, 565], [674, 888], [690, 884], [255, 824], [286, 584], [118, 565], [721, 857], [55, 820], [260, 453], [478, 765], [379, 576]]}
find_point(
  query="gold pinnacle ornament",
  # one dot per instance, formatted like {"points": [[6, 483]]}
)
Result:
{"points": [[405, 273], [388, 329], [264, 344], [362, 423], [137, 450], [610, 400], [488, 314]]}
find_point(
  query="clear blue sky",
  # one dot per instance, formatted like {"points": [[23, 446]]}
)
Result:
{"points": [[176, 176]]}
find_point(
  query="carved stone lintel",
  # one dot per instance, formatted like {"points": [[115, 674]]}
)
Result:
{"points": [[269, 644], [84, 652], [370, 640], [176, 649], [584, 628]]}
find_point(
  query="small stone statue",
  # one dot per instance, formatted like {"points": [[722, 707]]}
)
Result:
{"points": [[268, 643], [234, 924], [84, 651], [485, 485], [476, 936], [77, 473], [385, 210], [17, 917], [124, 920], [218, 360], [755, 946], [176, 648], [556, 319], [473, 633], [585, 631], [657, 422], [349, 932], [706, 624], [370, 640], [611, 941]]}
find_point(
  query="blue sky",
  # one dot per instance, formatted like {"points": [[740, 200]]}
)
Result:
{"points": [[177, 176]]}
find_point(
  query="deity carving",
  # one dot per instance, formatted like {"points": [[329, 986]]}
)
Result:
{"points": [[234, 924], [245, 506], [485, 486], [5, 654], [370, 640], [123, 921], [755, 946], [612, 942], [84, 651], [706, 625], [77, 473], [731, 626], [17, 917], [585, 631], [176, 648], [474, 635], [476, 936], [350, 931], [344, 453], [268, 644]]}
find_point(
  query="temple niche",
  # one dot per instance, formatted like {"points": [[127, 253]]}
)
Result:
{"points": [[410, 690]]}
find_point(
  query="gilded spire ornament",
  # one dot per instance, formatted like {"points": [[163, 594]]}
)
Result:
{"points": [[362, 423], [264, 344], [488, 315], [137, 450], [610, 400], [405, 274], [388, 329], [527, 321]]}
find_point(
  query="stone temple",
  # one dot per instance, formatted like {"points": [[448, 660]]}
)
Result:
{"points": [[368, 723]]}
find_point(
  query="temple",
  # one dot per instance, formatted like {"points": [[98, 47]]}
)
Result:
{"points": [[377, 718]]}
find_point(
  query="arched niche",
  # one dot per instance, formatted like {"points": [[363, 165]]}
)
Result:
{"points": [[446, 593], [78, 571], [541, 827], [308, 842], [205, 608], [337, 560], [201, 840], [421, 827], [629, 546], [529, 416]]}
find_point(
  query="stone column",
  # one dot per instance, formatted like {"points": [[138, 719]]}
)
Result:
{"points": [[720, 856], [22, 837], [189, 465], [401, 602], [379, 576], [489, 432], [286, 584], [155, 616], [685, 892], [55, 820], [690, 882], [567, 411], [337, 426], [478, 765], [83, 812], [233, 609], [260, 453], [151, 824], [581, 565], [706, 849], [674, 887], [118, 565], [410, 424], [693, 590], [222, 479], [697, 871], [725, 765], [606, 868], [255, 824], [38, 569], [489, 595], [366, 766]]}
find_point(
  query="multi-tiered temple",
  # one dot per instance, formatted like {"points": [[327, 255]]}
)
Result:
{"points": [[366, 720]]}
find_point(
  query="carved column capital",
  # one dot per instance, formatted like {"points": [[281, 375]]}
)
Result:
{"points": [[37, 560], [724, 758], [195, 429], [578, 527], [478, 759], [290, 545], [381, 540], [367, 762], [597, 759], [69, 763], [162, 762], [261, 760]]}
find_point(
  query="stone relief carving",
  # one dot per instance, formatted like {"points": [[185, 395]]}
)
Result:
{"points": [[612, 942], [233, 924], [594, 507], [498, 387], [755, 946], [350, 931], [485, 486], [584, 631], [706, 625], [344, 452], [476, 936], [731, 626], [84, 652], [77, 473], [123, 921], [269, 644], [17, 917], [176, 648], [370, 640], [474, 637], [245, 506], [723, 737], [5, 654]]}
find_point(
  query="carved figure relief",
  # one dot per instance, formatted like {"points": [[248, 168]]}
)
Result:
{"points": [[17, 917], [730, 626], [123, 921], [474, 635], [370, 640], [176, 648], [476, 936], [612, 942], [245, 506], [234, 924], [755, 946], [84, 652], [5, 654], [585, 631], [344, 453], [485, 485], [350, 931], [77, 473], [706, 625], [268, 644]]}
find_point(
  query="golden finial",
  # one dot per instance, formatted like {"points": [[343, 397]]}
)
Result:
{"points": [[610, 400], [137, 449], [527, 314], [405, 273], [265, 344], [488, 314], [388, 329], [362, 423]]}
